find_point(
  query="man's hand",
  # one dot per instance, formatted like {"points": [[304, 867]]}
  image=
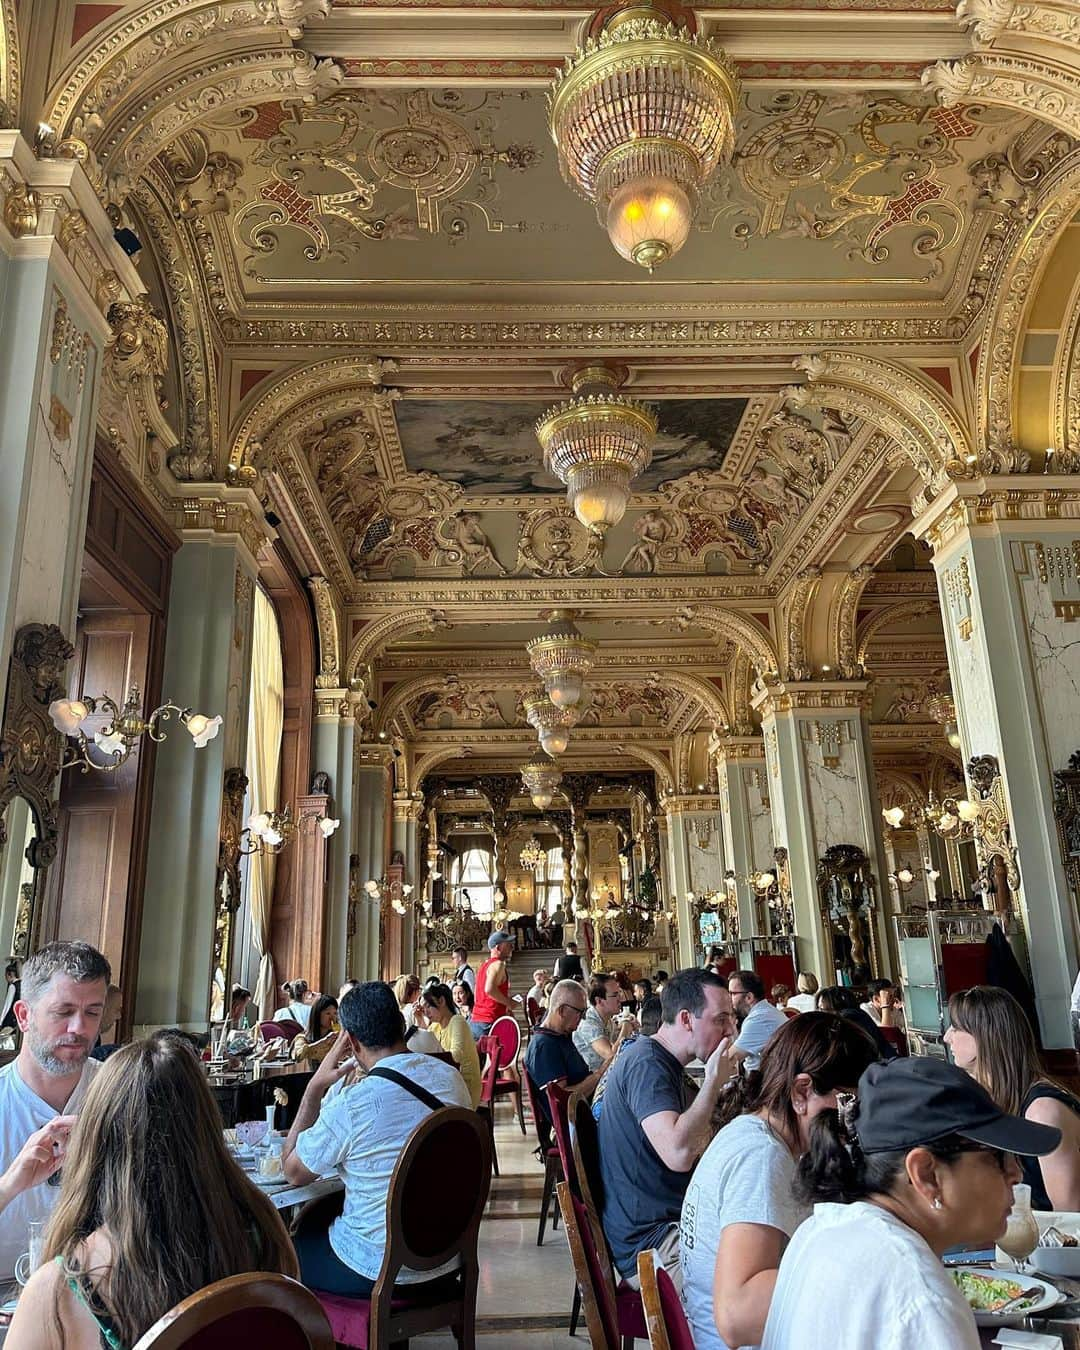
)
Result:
{"points": [[335, 1066], [37, 1160], [718, 1066], [627, 1027]]}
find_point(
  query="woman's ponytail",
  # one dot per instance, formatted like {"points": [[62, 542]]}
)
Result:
{"points": [[833, 1167]]}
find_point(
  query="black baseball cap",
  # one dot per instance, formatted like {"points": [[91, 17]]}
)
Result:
{"points": [[908, 1102]]}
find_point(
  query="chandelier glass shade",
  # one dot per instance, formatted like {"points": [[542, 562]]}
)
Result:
{"points": [[541, 777], [532, 853], [562, 658], [271, 831], [551, 724], [642, 115], [597, 445]]}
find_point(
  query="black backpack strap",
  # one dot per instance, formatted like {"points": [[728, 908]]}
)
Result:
{"points": [[421, 1094]]}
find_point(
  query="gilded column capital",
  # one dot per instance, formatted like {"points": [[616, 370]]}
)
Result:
{"points": [[773, 697], [370, 755], [737, 749], [1009, 500], [220, 512], [408, 807], [688, 804]]}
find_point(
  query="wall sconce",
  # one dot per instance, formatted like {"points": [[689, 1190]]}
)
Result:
{"points": [[760, 881], [382, 889], [271, 831], [120, 736]]}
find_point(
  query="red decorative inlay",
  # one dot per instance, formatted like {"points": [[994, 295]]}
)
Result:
{"points": [[267, 122], [701, 530], [249, 379], [973, 360], [420, 536], [942, 374], [88, 17], [295, 205], [951, 122]]}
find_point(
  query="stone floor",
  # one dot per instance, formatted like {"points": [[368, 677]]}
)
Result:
{"points": [[525, 1290]]}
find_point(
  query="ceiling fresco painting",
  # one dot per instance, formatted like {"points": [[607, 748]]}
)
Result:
{"points": [[491, 448]]}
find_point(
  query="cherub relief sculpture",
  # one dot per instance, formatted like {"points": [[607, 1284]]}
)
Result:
{"points": [[652, 529], [458, 703], [469, 545]]}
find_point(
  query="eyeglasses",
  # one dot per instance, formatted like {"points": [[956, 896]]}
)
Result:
{"points": [[574, 1008]]}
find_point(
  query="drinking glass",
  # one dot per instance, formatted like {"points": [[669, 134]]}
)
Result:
{"points": [[29, 1261]]}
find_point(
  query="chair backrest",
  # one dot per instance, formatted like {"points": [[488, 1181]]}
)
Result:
{"points": [[540, 1125], [597, 1300], [665, 1319], [558, 1095], [533, 1011], [586, 1146], [273, 1030], [447, 1156], [508, 1031], [243, 1310], [789, 1013], [896, 1039], [492, 1048]]}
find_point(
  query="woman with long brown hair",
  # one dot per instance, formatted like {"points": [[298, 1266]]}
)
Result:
{"points": [[992, 1039], [153, 1207], [740, 1208]]}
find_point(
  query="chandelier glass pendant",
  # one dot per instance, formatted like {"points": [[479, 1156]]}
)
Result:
{"points": [[596, 444], [642, 115], [551, 724], [532, 853], [541, 777], [562, 658]]}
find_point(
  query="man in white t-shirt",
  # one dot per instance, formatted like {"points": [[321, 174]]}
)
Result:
{"points": [[59, 1014], [359, 1133]]}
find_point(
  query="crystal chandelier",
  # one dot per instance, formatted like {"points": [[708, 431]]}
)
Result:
{"points": [[596, 444], [271, 831], [562, 658], [541, 778], [942, 708], [551, 724], [532, 853], [641, 116], [118, 738]]}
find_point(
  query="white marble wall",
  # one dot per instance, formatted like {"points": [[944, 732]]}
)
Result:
{"points": [[1054, 643], [834, 784], [705, 847]]}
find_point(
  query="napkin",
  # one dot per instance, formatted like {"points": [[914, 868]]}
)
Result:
{"points": [[1030, 1340]]}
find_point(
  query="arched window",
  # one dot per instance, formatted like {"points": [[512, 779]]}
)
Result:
{"points": [[474, 871], [548, 881]]}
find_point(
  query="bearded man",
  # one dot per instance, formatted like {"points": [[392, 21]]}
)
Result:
{"points": [[59, 1014]]}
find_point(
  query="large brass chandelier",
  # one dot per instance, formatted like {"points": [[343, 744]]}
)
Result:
{"points": [[562, 658], [596, 444], [642, 115], [551, 724], [541, 777]]}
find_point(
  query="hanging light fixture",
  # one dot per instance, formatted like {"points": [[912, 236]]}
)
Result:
{"points": [[532, 853], [941, 706], [642, 115], [551, 724], [562, 658], [596, 444], [541, 777]]}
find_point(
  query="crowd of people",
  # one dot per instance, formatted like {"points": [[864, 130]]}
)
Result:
{"points": [[799, 1187]]}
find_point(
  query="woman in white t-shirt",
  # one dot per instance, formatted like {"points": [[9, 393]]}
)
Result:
{"points": [[298, 1008], [920, 1162], [804, 1000], [740, 1208]]}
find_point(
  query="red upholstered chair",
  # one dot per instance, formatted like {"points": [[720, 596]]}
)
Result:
{"points": [[601, 1311], [789, 1013], [255, 1309], [896, 1039], [629, 1312], [533, 1012], [448, 1155], [491, 1050], [286, 1027], [550, 1156], [508, 1083], [664, 1316]]}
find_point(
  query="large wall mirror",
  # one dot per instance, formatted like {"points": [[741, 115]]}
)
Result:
{"points": [[31, 753]]}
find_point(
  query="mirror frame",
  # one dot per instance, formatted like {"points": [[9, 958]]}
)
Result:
{"points": [[32, 755]]}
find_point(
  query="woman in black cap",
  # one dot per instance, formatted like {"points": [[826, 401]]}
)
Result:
{"points": [[921, 1161]]}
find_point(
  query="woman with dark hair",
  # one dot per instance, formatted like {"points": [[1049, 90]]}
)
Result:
{"points": [[463, 999], [920, 1162], [453, 1034], [835, 998], [740, 1210], [312, 1046], [992, 1039], [153, 1207]]}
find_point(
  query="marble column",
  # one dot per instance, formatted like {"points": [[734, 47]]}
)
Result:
{"points": [[746, 822], [207, 667], [406, 840], [822, 792], [678, 859], [333, 738], [371, 839], [1007, 556], [60, 271]]}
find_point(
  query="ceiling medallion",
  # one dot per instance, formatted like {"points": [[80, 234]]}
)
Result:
{"points": [[532, 853], [642, 115], [541, 777], [597, 444], [562, 658], [551, 724]]}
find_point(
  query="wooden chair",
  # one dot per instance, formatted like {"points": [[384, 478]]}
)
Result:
{"points": [[446, 1159], [601, 1314], [508, 1084], [665, 1317], [550, 1156], [243, 1310], [629, 1312], [491, 1048]]}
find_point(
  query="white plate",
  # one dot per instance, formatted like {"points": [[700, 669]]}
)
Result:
{"points": [[1050, 1298]]}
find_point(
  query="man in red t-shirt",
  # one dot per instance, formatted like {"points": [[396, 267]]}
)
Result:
{"points": [[493, 986]]}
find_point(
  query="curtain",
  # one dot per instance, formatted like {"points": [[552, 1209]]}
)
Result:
{"points": [[265, 716]]}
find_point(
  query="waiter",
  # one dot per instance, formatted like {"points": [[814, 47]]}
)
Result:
{"points": [[570, 966]]}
